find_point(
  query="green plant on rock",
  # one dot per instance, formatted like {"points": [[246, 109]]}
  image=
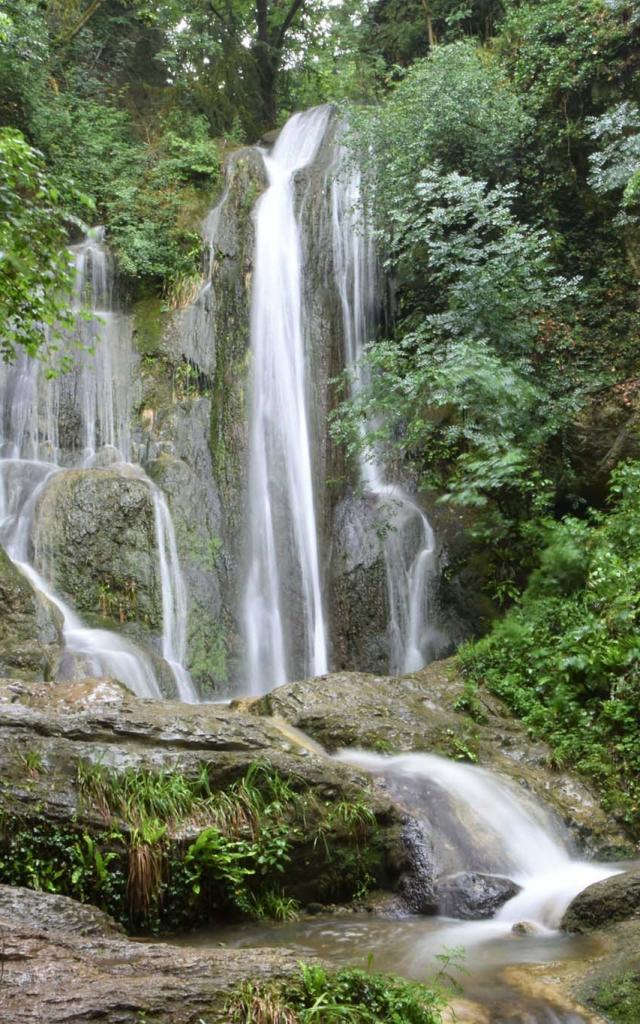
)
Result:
{"points": [[350, 995]]}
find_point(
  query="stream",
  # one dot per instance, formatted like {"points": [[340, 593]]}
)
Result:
{"points": [[478, 822]]}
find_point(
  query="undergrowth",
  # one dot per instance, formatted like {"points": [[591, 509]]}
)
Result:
{"points": [[566, 658], [174, 850], [348, 995]]}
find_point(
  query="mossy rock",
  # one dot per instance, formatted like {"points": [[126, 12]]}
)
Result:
{"points": [[95, 541]]}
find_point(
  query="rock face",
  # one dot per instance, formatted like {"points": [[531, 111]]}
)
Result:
{"points": [[613, 899], [359, 601], [420, 712], [73, 976], [30, 627], [192, 429], [95, 541], [472, 896]]}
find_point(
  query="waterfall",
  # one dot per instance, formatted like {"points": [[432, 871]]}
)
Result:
{"points": [[44, 424], [283, 594], [174, 599], [410, 544], [480, 821]]}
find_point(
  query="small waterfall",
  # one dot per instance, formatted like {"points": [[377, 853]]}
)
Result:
{"points": [[283, 595], [482, 822], [174, 599], [410, 544], [44, 424]]}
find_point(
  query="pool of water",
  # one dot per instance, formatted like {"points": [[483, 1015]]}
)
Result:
{"points": [[413, 947]]}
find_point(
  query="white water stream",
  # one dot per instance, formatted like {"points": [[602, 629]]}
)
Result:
{"points": [[41, 421], [283, 595], [482, 822], [410, 543], [477, 821]]}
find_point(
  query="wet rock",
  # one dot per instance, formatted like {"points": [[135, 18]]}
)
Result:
{"points": [[95, 541], [48, 912], [416, 884], [66, 978], [525, 928], [359, 600], [613, 899], [30, 627], [472, 896], [420, 712]]}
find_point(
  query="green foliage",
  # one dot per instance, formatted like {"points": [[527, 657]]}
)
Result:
{"points": [[456, 109], [615, 167], [348, 995], [69, 861], [35, 274], [192, 850], [465, 388], [619, 999], [567, 659]]}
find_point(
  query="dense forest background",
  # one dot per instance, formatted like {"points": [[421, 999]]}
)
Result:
{"points": [[500, 147]]}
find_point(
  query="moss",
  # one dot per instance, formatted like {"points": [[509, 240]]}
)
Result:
{"points": [[619, 998], [148, 325], [208, 649]]}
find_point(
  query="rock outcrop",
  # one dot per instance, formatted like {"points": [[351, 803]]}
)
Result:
{"points": [[472, 896], [61, 972], [52, 735], [425, 712], [30, 627], [95, 541]]}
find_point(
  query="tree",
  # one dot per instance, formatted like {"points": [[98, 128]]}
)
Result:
{"points": [[35, 271]]}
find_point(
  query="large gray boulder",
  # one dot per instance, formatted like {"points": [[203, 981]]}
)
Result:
{"points": [[63, 977], [49, 912]]}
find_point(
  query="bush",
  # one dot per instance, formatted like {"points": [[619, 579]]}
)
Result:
{"points": [[567, 658]]}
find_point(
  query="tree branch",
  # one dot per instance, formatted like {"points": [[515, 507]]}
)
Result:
{"points": [[288, 22], [82, 21]]}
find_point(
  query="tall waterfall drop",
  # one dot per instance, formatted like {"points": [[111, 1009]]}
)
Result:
{"points": [[410, 544], [81, 420], [283, 583]]}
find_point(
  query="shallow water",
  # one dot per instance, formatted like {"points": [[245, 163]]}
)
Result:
{"points": [[411, 947]]}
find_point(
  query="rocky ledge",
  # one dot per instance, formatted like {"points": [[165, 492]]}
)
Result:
{"points": [[63, 962], [427, 711]]}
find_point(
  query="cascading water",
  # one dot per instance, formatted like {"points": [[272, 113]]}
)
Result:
{"points": [[44, 424], [283, 595], [481, 822], [410, 544]]}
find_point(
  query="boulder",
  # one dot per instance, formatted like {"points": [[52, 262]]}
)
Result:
{"points": [[616, 898], [30, 626], [416, 883], [48, 912], [95, 541], [472, 896]]}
